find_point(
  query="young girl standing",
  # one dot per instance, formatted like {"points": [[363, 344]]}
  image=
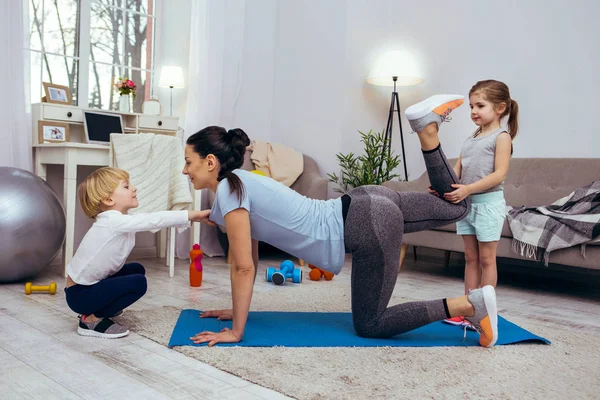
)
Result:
{"points": [[482, 168]]}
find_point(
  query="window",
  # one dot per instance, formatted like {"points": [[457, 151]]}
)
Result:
{"points": [[88, 44], [53, 41]]}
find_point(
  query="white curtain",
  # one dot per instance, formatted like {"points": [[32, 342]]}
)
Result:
{"points": [[15, 137], [215, 70]]}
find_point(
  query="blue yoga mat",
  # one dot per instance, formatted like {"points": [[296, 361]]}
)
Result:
{"points": [[333, 329]]}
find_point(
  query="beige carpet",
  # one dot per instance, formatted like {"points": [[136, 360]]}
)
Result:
{"points": [[566, 369]]}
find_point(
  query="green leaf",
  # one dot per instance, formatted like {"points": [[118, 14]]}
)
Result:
{"points": [[370, 168]]}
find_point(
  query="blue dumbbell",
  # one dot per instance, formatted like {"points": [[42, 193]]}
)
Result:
{"points": [[287, 271]]}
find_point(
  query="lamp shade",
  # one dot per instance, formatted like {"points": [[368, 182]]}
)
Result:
{"points": [[401, 64], [171, 76]]}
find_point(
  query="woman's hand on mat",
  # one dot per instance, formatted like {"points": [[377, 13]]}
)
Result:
{"points": [[222, 315], [225, 336], [201, 216], [458, 195], [430, 190]]}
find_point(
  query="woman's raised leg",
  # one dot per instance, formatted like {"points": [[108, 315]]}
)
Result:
{"points": [[376, 221]]}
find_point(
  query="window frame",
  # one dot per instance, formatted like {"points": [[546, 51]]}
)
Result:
{"points": [[83, 59]]}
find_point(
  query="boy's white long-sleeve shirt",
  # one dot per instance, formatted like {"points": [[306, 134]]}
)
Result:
{"points": [[106, 246]]}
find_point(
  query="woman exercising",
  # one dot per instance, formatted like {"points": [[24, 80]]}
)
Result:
{"points": [[368, 222]]}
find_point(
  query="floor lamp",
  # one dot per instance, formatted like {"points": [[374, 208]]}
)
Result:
{"points": [[171, 77], [394, 69]]}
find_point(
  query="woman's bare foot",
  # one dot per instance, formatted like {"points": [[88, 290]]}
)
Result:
{"points": [[460, 307]]}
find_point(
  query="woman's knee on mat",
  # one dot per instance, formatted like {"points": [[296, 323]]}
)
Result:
{"points": [[365, 327]]}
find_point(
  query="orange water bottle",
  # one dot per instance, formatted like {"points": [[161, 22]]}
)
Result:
{"points": [[196, 266]]}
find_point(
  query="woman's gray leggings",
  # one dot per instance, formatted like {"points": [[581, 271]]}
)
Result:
{"points": [[377, 217]]}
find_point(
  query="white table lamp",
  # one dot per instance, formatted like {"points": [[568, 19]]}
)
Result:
{"points": [[171, 77]]}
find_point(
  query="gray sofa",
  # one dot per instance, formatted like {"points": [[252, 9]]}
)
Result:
{"points": [[530, 182], [310, 184]]}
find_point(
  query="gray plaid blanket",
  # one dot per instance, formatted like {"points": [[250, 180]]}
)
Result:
{"points": [[570, 221]]}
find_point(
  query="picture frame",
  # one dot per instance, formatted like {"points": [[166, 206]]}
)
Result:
{"points": [[152, 106], [57, 94], [53, 132]]}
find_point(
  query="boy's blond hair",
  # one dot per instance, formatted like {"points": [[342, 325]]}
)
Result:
{"points": [[99, 186]]}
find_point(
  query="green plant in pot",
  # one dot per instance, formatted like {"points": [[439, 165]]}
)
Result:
{"points": [[370, 168]]}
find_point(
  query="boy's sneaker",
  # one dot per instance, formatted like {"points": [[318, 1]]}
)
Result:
{"points": [[103, 328], [485, 319], [433, 109]]}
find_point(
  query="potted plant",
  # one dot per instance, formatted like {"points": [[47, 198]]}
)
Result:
{"points": [[370, 168]]}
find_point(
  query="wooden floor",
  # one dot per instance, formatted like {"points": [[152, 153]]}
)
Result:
{"points": [[41, 355]]}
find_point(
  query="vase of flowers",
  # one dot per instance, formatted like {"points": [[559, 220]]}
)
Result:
{"points": [[126, 88]]}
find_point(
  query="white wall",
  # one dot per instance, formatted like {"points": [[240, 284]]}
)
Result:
{"points": [[309, 78], [304, 66], [255, 106], [549, 56], [321, 52], [172, 46]]}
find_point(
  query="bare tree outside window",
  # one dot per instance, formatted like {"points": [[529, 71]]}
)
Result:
{"points": [[121, 34], [54, 44]]}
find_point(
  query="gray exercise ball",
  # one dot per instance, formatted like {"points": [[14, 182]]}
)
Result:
{"points": [[32, 224]]}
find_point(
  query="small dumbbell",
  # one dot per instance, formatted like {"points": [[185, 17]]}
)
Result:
{"points": [[51, 288], [287, 270], [316, 273]]}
